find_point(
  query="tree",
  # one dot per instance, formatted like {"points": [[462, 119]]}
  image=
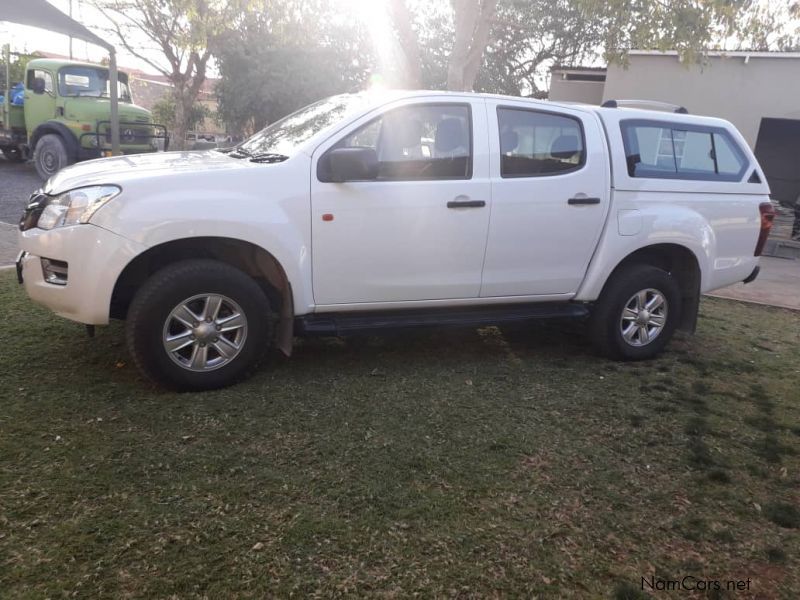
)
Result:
{"points": [[473, 22], [181, 31], [164, 112], [18, 64], [469, 25], [285, 56], [528, 36], [503, 45]]}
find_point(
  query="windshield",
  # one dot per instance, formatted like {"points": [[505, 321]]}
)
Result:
{"points": [[284, 137], [77, 81]]}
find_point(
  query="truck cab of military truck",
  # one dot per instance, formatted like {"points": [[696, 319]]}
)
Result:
{"points": [[65, 117]]}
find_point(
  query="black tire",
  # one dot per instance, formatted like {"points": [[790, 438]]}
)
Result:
{"points": [[51, 155], [606, 323], [13, 154], [150, 318]]}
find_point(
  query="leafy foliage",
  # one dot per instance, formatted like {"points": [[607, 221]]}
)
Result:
{"points": [[19, 63], [180, 33], [164, 112], [284, 57]]}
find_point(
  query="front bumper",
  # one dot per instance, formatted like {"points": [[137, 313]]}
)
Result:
{"points": [[95, 259]]}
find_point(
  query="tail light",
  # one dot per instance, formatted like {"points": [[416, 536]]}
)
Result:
{"points": [[767, 217]]}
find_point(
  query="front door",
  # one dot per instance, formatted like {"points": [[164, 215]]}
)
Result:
{"points": [[418, 231], [550, 195], [41, 106]]}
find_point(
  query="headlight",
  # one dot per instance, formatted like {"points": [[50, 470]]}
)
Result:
{"points": [[76, 206]]}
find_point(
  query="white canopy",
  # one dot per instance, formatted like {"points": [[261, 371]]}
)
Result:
{"points": [[40, 13]]}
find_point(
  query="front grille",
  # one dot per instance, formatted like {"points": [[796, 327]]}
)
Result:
{"points": [[132, 135], [36, 204]]}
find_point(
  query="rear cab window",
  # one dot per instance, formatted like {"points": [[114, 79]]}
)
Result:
{"points": [[671, 150], [535, 143]]}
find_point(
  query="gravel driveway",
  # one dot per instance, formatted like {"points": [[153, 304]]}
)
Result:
{"points": [[17, 182]]}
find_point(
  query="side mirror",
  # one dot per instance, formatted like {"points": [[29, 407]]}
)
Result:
{"points": [[353, 164], [38, 85]]}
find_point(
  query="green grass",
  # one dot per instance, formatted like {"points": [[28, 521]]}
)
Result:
{"points": [[460, 463]]}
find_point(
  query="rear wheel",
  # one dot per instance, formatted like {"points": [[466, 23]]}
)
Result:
{"points": [[13, 154], [198, 325], [637, 313], [50, 155]]}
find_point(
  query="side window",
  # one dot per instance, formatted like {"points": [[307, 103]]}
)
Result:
{"points": [[659, 151], [417, 142], [729, 158], [694, 152], [39, 74], [536, 144]]}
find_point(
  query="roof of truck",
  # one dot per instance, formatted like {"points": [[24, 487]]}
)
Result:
{"points": [[57, 63]]}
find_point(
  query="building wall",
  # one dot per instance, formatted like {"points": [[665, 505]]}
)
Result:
{"points": [[588, 92], [732, 88]]}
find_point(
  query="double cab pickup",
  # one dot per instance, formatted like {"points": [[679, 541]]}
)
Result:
{"points": [[406, 209]]}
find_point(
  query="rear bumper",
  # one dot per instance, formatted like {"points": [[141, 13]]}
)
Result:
{"points": [[95, 258]]}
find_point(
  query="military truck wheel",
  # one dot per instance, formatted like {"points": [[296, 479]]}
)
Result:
{"points": [[13, 154], [50, 155]]}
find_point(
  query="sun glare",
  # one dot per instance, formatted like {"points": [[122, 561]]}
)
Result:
{"points": [[374, 15]]}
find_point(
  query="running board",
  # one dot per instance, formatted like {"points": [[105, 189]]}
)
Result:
{"points": [[335, 324]]}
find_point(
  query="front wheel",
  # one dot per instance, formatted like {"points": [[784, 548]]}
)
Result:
{"points": [[50, 155], [198, 325], [637, 313]]}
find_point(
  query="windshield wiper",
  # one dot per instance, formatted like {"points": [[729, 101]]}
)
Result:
{"points": [[268, 157], [239, 153]]}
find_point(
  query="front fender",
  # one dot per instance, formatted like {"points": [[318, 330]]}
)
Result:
{"points": [[626, 233], [159, 210]]}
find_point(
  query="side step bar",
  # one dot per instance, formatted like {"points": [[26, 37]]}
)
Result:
{"points": [[335, 324]]}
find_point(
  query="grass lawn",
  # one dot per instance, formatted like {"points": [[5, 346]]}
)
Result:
{"points": [[458, 463]]}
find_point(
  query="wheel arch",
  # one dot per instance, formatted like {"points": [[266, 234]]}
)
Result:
{"points": [[246, 256], [680, 262], [58, 128]]}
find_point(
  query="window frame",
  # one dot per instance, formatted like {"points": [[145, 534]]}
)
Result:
{"points": [[322, 176], [32, 76], [628, 125], [578, 120]]}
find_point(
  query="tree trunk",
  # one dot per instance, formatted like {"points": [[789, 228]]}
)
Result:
{"points": [[409, 72], [182, 111], [473, 23]]}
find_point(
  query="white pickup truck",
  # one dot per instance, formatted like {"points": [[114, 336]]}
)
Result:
{"points": [[370, 211]]}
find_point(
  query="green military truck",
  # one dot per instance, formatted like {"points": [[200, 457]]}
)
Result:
{"points": [[65, 117]]}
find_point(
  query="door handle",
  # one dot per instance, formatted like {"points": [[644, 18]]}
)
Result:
{"points": [[466, 203], [582, 201]]}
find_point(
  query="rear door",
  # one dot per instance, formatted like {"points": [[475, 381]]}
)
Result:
{"points": [[550, 197]]}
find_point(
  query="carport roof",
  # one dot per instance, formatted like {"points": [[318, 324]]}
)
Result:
{"points": [[40, 13]]}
